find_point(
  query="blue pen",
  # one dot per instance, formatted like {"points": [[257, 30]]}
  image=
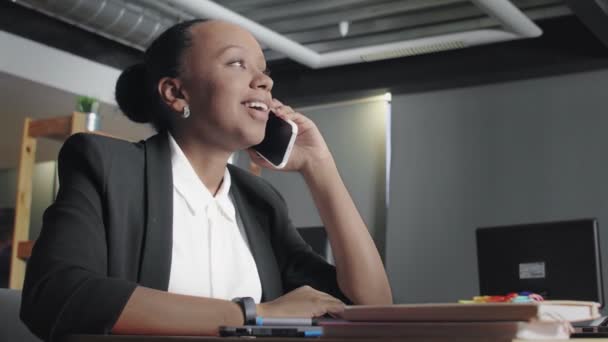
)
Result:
{"points": [[282, 321], [313, 333]]}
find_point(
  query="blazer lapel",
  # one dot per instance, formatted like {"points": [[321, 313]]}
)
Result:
{"points": [[259, 243], [156, 253]]}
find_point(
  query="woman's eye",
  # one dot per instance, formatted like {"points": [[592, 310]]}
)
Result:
{"points": [[238, 63]]}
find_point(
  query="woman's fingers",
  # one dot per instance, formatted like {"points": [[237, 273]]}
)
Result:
{"points": [[285, 112], [330, 304], [332, 307], [288, 113], [336, 311], [305, 301], [276, 103]]}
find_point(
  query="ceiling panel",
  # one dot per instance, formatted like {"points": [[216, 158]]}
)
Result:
{"points": [[317, 28]]}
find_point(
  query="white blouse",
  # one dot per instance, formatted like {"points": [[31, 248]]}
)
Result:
{"points": [[210, 256]]}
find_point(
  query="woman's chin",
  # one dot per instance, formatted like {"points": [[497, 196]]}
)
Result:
{"points": [[258, 140], [257, 136], [250, 139]]}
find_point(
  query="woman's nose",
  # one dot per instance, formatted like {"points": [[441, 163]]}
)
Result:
{"points": [[263, 81]]}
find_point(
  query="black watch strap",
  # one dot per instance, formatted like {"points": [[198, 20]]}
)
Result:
{"points": [[248, 307]]}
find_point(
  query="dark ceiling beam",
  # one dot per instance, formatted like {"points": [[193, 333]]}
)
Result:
{"points": [[49, 31], [594, 13]]}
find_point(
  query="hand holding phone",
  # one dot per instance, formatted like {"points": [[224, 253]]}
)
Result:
{"points": [[278, 141]]}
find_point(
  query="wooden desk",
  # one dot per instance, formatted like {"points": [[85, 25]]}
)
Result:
{"points": [[122, 338], [114, 338]]}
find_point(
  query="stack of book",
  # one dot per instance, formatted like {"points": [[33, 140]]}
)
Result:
{"points": [[547, 320]]}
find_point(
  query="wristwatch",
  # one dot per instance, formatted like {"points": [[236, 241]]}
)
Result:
{"points": [[247, 305]]}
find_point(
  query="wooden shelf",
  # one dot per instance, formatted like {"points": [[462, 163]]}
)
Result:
{"points": [[24, 249], [58, 128]]}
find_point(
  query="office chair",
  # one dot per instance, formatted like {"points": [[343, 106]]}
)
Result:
{"points": [[12, 327]]}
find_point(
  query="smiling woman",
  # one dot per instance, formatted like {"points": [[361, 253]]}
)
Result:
{"points": [[164, 237]]}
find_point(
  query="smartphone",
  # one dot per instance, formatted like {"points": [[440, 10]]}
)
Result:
{"points": [[270, 331], [278, 141]]}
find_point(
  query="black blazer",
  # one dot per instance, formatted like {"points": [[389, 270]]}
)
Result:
{"points": [[110, 229]]}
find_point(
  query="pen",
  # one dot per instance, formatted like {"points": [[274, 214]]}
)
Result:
{"points": [[277, 321]]}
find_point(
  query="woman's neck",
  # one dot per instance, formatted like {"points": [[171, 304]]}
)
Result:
{"points": [[208, 162]]}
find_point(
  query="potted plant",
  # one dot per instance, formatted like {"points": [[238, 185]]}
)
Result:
{"points": [[90, 106]]}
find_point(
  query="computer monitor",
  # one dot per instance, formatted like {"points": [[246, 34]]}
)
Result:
{"points": [[558, 260]]}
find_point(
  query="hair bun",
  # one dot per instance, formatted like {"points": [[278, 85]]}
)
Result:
{"points": [[132, 95]]}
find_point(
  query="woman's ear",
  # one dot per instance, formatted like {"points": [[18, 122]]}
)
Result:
{"points": [[170, 90]]}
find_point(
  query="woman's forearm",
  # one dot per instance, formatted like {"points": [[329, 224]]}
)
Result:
{"points": [[360, 272], [154, 312]]}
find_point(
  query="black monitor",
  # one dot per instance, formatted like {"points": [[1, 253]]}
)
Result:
{"points": [[558, 260]]}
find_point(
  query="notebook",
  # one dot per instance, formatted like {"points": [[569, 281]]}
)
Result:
{"points": [[491, 330], [547, 311]]}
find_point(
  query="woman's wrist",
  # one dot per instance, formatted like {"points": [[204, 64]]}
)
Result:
{"points": [[262, 309], [319, 165]]}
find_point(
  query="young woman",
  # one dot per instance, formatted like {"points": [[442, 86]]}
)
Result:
{"points": [[157, 237]]}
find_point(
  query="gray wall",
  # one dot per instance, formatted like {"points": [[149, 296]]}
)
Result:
{"points": [[43, 192], [497, 154], [356, 134]]}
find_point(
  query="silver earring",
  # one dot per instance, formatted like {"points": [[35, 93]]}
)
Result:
{"points": [[186, 112]]}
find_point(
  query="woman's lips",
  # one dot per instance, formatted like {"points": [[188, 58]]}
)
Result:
{"points": [[257, 109], [257, 113], [258, 104]]}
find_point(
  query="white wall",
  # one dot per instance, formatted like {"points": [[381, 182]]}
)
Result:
{"points": [[516, 152], [55, 68]]}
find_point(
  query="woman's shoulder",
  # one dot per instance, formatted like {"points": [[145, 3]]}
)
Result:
{"points": [[100, 140], [101, 152], [100, 146]]}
